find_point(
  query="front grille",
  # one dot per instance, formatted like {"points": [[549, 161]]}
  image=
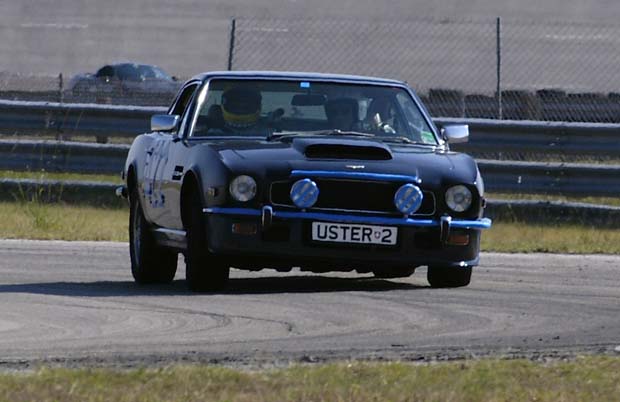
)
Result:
{"points": [[352, 195]]}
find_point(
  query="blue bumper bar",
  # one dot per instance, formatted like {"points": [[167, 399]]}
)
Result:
{"points": [[483, 223]]}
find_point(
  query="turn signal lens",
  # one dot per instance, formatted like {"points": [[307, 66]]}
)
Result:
{"points": [[458, 239], [246, 229]]}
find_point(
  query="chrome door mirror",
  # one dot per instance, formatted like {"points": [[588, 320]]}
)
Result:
{"points": [[455, 134], [165, 122]]}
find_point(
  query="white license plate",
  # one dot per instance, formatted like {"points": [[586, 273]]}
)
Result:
{"points": [[352, 233]]}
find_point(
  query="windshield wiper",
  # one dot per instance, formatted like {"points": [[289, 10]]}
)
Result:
{"points": [[334, 132], [285, 134], [341, 133], [402, 140]]}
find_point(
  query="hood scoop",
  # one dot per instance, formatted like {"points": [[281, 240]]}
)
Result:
{"points": [[347, 149]]}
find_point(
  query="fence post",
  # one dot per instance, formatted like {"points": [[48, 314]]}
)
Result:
{"points": [[61, 86], [231, 47], [499, 68]]}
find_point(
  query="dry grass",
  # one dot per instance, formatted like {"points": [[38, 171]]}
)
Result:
{"points": [[43, 175], [586, 379], [34, 220], [67, 137], [518, 237]]}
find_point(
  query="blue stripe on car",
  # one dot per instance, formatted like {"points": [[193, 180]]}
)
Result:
{"points": [[328, 174]]}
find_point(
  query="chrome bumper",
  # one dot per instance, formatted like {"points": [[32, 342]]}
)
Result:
{"points": [[267, 213]]}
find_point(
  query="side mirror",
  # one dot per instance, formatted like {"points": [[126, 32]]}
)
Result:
{"points": [[456, 134], [165, 122]]}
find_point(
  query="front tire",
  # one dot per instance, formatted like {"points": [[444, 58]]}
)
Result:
{"points": [[448, 277], [150, 263], [204, 271]]}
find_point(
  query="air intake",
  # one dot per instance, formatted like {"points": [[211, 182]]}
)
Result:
{"points": [[338, 151]]}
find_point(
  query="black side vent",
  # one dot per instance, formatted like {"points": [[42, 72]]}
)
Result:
{"points": [[336, 151]]}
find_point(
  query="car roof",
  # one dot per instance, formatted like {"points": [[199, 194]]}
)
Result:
{"points": [[292, 75], [130, 64]]}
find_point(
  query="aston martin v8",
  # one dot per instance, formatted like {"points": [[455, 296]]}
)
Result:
{"points": [[319, 172]]}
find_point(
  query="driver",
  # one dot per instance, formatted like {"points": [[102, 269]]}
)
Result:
{"points": [[241, 109], [342, 113]]}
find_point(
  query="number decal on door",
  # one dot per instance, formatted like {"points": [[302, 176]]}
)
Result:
{"points": [[156, 158]]}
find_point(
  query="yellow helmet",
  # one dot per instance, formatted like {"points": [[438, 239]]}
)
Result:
{"points": [[241, 106]]}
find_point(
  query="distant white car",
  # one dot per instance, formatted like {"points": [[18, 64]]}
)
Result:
{"points": [[124, 83]]}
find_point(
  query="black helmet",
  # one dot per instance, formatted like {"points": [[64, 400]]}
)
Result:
{"points": [[241, 106]]}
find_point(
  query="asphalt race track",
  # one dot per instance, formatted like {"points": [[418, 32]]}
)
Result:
{"points": [[75, 304]]}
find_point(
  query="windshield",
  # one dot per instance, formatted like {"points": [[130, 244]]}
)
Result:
{"points": [[153, 72], [140, 72], [278, 108], [128, 72]]}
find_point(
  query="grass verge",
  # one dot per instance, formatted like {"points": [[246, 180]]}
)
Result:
{"points": [[585, 379], [66, 137], [43, 175], [518, 237], [37, 220], [613, 201]]}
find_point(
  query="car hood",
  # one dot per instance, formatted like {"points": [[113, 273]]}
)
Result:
{"points": [[276, 159]]}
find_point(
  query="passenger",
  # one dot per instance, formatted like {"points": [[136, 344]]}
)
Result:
{"points": [[342, 113], [379, 117]]}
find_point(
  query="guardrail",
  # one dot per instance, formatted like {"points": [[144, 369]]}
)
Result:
{"points": [[71, 192], [66, 119], [499, 176], [506, 137], [551, 178], [62, 156], [487, 137], [98, 193]]}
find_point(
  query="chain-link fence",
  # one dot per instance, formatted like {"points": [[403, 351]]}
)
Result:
{"points": [[57, 88], [487, 68], [31, 87]]}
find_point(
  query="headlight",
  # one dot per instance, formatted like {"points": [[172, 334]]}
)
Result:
{"points": [[458, 198], [242, 188]]}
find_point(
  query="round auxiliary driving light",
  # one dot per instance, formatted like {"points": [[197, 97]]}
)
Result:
{"points": [[304, 193], [242, 188], [408, 199], [458, 198]]}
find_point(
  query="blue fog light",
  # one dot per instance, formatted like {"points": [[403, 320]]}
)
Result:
{"points": [[408, 199], [304, 193]]}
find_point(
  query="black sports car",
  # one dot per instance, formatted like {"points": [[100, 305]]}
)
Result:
{"points": [[276, 170], [122, 83]]}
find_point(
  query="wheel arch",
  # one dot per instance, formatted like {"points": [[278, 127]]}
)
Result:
{"points": [[190, 184], [131, 178]]}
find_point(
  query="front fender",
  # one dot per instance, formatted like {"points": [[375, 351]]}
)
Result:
{"points": [[211, 174]]}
